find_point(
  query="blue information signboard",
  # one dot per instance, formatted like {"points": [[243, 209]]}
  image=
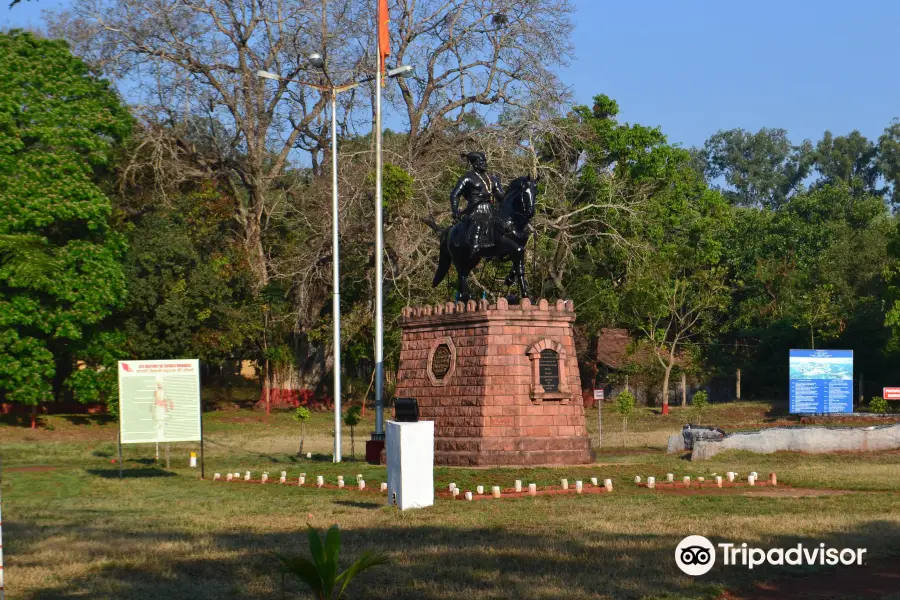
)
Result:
{"points": [[821, 381]]}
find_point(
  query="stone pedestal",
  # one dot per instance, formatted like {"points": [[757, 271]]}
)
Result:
{"points": [[500, 382]]}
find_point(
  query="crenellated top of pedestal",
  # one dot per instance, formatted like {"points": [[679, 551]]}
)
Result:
{"points": [[481, 310]]}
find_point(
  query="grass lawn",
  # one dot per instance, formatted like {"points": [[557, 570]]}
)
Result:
{"points": [[76, 531]]}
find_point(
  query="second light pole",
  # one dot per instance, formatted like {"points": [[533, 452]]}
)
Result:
{"points": [[318, 61]]}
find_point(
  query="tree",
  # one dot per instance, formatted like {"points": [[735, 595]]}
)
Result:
{"points": [[60, 275], [351, 420], [301, 415], [624, 406], [321, 574], [889, 158], [700, 400], [849, 160], [677, 285], [762, 169]]}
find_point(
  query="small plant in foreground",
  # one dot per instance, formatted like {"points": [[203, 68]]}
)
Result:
{"points": [[320, 574], [351, 420], [878, 405], [625, 406], [302, 415], [700, 401]]}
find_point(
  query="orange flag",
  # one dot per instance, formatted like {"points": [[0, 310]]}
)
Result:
{"points": [[384, 41]]}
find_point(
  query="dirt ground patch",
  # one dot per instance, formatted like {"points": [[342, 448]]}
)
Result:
{"points": [[761, 489], [875, 579]]}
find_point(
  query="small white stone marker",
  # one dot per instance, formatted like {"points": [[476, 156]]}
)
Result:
{"points": [[282, 479], [247, 476], [455, 492], [564, 484], [755, 474], [670, 477], [518, 485], [383, 486], [718, 480], [578, 486], [607, 483], [309, 455], [730, 475], [637, 478], [532, 489], [469, 496], [686, 481], [284, 474], [362, 484], [341, 482], [237, 475], [773, 479], [301, 480], [320, 480], [701, 479], [358, 476], [593, 481], [216, 477], [452, 485], [479, 490], [651, 482], [265, 477], [751, 480], [495, 491], [229, 476]]}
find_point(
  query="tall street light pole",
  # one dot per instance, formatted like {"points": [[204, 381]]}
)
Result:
{"points": [[317, 61]]}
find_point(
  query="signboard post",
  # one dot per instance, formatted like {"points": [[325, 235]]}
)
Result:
{"points": [[159, 401], [821, 381], [598, 400]]}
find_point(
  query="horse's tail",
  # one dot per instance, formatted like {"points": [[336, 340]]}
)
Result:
{"points": [[444, 261]]}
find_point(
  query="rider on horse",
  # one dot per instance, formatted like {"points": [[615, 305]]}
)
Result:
{"points": [[480, 189]]}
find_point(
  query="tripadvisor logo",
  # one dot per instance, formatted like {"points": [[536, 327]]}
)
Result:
{"points": [[695, 555]]}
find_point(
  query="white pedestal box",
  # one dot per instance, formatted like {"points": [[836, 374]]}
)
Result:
{"points": [[410, 464]]}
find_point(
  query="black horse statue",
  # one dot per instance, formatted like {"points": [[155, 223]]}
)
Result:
{"points": [[511, 233]]}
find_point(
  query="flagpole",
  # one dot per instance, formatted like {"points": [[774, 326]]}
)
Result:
{"points": [[379, 247]]}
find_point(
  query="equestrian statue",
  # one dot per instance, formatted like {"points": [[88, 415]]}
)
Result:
{"points": [[494, 224]]}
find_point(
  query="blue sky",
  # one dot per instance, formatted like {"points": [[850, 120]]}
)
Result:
{"points": [[694, 67]]}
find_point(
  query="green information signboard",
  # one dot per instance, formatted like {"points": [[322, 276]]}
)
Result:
{"points": [[159, 401]]}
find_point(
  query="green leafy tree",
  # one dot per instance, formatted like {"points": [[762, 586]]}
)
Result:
{"points": [[625, 406], [351, 420], [761, 169], [301, 415], [321, 573], [60, 272], [700, 400]]}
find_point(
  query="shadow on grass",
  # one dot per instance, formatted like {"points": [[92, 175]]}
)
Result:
{"points": [[89, 419], [427, 562], [129, 473], [362, 505]]}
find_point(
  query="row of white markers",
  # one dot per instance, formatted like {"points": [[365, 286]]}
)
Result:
{"points": [[320, 480], [752, 478], [532, 488]]}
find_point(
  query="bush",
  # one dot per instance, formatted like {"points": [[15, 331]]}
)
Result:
{"points": [[878, 405]]}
